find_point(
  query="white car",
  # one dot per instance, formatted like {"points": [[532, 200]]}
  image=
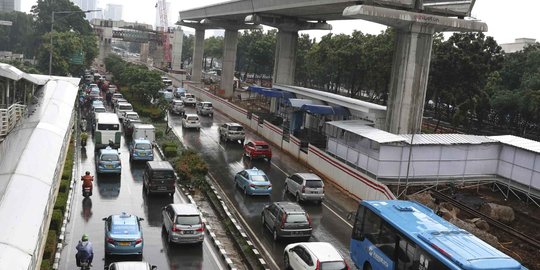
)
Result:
{"points": [[189, 99], [190, 120], [130, 115], [121, 108], [313, 255]]}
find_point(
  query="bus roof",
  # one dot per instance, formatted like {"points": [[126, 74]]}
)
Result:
{"points": [[440, 236], [109, 118]]}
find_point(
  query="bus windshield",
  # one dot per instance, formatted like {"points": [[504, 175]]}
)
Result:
{"points": [[108, 127]]}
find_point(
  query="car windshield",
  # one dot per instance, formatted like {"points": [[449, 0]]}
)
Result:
{"points": [[259, 178], [314, 183], [163, 174], [209, 105], [133, 116], [296, 218], [261, 147], [143, 146], [193, 118], [109, 157], [100, 109], [189, 96], [236, 128], [333, 266], [188, 220], [125, 229]]}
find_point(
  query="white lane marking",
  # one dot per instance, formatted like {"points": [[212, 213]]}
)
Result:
{"points": [[285, 173], [245, 224], [209, 246], [342, 219]]}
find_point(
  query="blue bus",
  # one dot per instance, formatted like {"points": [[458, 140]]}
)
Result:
{"points": [[406, 235]]}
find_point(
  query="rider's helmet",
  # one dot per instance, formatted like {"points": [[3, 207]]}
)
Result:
{"points": [[84, 237], [87, 173]]}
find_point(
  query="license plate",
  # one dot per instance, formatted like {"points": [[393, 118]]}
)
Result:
{"points": [[142, 154], [262, 187], [108, 166], [314, 192], [124, 243], [188, 232]]}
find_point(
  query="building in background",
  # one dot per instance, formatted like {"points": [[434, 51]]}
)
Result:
{"points": [[517, 45], [87, 5], [10, 5], [113, 12]]}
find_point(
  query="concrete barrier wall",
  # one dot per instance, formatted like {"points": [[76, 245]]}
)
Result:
{"points": [[349, 179]]}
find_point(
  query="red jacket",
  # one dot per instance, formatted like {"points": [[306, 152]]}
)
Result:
{"points": [[87, 180]]}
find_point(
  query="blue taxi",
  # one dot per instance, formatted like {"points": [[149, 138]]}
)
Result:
{"points": [[141, 149], [253, 182], [123, 235], [108, 161]]}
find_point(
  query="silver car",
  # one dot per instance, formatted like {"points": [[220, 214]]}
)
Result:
{"points": [[305, 187], [182, 223]]}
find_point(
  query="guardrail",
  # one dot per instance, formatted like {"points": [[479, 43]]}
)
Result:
{"points": [[10, 117]]}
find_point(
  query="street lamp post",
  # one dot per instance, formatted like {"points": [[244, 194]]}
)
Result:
{"points": [[52, 28]]}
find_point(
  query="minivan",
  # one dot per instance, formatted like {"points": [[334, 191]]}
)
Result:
{"points": [[183, 223], [286, 220], [305, 187], [159, 177]]}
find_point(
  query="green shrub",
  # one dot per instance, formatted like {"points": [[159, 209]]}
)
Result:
{"points": [[61, 201], [191, 165], [68, 166], [64, 186], [170, 151], [45, 264], [169, 144], [50, 246], [56, 220], [159, 134]]}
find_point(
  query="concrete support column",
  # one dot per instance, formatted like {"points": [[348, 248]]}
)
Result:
{"points": [[145, 48], [229, 62], [285, 57], [177, 40], [198, 50], [408, 82]]}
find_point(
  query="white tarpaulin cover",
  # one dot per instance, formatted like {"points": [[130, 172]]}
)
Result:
{"points": [[13, 73], [29, 158]]}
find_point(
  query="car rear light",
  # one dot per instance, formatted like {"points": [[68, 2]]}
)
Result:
{"points": [[138, 241], [304, 189], [252, 185], [201, 229], [110, 240], [174, 229], [283, 219], [308, 219], [269, 185], [346, 265], [318, 265]]}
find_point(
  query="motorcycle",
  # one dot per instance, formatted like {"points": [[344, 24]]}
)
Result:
{"points": [[87, 192], [84, 137], [85, 265]]}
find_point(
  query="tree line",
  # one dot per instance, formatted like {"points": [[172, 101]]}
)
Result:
{"points": [[473, 84], [30, 35]]}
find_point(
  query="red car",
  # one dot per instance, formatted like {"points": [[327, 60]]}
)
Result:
{"points": [[258, 149]]}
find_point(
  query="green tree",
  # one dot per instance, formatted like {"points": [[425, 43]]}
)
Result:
{"points": [[213, 48], [187, 49], [66, 44], [301, 70], [19, 37]]}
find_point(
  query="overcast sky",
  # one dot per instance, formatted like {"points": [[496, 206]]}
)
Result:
{"points": [[506, 20]]}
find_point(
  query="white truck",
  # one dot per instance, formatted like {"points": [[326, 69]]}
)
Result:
{"points": [[144, 131]]}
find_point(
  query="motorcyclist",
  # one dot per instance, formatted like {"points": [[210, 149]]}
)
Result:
{"points": [[84, 251], [87, 180]]}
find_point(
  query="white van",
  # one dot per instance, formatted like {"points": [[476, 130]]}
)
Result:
{"points": [[144, 131], [121, 108]]}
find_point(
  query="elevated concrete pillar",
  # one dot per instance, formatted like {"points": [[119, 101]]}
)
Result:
{"points": [[198, 50], [409, 78], [229, 61], [410, 67], [285, 57], [145, 47], [178, 37]]}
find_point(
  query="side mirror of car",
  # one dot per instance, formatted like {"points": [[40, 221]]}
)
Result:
{"points": [[104, 219], [153, 267], [141, 219], [106, 267]]}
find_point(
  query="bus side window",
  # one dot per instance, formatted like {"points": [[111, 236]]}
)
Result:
{"points": [[405, 253], [358, 221], [387, 240], [372, 226], [425, 261]]}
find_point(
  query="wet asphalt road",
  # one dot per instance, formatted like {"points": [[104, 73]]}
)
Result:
{"points": [[226, 159], [112, 195]]}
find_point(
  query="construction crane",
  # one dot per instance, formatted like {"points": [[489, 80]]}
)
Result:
{"points": [[164, 23]]}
